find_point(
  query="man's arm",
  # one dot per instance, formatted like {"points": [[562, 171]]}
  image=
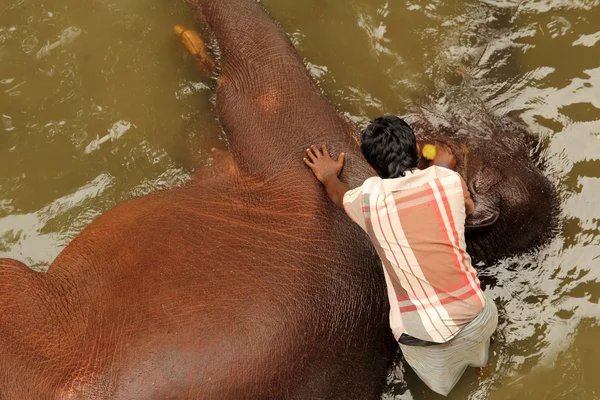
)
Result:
{"points": [[336, 190], [469, 204], [327, 171], [445, 158]]}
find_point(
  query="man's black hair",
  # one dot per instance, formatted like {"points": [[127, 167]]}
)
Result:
{"points": [[389, 146]]}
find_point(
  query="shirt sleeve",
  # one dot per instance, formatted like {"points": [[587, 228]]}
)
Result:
{"points": [[353, 205], [355, 199]]}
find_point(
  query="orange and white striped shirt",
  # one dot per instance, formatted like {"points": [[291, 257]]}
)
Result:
{"points": [[417, 225]]}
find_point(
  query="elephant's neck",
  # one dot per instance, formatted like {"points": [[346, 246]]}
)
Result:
{"points": [[268, 105], [288, 160]]}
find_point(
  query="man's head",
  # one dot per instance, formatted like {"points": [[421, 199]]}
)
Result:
{"points": [[389, 146]]}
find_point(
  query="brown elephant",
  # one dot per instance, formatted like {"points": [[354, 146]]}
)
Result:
{"points": [[516, 206], [244, 284]]}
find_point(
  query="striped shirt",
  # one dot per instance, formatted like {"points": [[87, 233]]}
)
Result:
{"points": [[417, 225]]}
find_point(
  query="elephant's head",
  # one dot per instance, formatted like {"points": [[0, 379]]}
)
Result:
{"points": [[516, 206]]}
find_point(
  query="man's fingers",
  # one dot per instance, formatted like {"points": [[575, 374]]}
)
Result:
{"points": [[341, 159], [310, 164], [316, 151], [311, 155], [325, 151]]}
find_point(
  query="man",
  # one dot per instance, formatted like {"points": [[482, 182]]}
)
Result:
{"points": [[416, 221]]}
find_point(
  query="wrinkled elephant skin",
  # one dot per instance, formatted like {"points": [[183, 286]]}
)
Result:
{"points": [[516, 206], [244, 284]]}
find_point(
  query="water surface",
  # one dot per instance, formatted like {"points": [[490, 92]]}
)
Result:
{"points": [[534, 60]]}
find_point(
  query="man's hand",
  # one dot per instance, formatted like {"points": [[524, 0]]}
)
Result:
{"points": [[327, 170], [323, 166], [444, 156]]}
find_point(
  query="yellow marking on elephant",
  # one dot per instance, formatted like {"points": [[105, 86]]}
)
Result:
{"points": [[429, 152]]}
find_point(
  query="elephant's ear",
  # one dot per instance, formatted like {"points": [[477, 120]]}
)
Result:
{"points": [[482, 220]]}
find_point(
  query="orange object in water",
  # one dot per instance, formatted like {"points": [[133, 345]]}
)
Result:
{"points": [[196, 46]]}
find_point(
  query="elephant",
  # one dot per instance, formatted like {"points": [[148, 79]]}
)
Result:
{"points": [[245, 283], [516, 207]]}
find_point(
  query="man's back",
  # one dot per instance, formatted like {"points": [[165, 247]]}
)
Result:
{"points": [[416, 223]]}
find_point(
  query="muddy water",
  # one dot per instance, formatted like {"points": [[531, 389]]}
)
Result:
{"points": [[116, 72]]}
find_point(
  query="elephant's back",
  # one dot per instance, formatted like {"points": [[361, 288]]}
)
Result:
{"points": [[225, 286]]}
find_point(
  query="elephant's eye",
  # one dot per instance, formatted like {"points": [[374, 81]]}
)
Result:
{"points": [[487, 178]]}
